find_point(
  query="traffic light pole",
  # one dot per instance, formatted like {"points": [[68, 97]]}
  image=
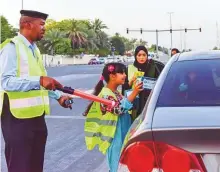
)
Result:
{"points": [[163, 30], [157, 43]]}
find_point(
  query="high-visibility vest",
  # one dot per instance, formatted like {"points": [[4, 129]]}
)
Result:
{"points": [[100, 128], [133, 71], [32, 103]]}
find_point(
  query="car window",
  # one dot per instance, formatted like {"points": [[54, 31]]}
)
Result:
{"points": [[192, 83]]}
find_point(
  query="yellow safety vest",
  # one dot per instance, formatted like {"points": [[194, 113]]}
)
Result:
{"points": [[100, 129], [33, 103], [133, 71]]}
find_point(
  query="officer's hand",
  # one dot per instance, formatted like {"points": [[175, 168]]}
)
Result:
{"points": [[49, 83], [63, 99]]}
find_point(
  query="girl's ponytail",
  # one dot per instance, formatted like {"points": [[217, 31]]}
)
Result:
{"points": [[97, 90]]}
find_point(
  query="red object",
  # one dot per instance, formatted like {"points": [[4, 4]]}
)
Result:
{"points": [[81, 94], [94, 98], [149, 155]]}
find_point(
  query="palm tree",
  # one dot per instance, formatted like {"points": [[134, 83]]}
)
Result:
{"points": [[101, 38], [52, 39], [97, 25], [104, 41], [133, 42], [92, 41], [117, 34], [142, 42], [77, 34]]}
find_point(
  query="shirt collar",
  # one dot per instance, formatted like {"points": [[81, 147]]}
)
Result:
{"points": [[26, 42]]}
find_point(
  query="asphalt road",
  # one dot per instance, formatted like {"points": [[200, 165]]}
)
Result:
{"points": [[65, 149]]}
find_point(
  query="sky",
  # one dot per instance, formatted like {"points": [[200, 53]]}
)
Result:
{"points": [[134, 14]]}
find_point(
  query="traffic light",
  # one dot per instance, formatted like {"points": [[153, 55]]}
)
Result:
{"points": [[170, 30], [200, 29], [127, 30], [185, 30], [141, 31]]}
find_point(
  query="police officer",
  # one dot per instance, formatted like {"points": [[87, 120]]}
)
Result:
{"points": [[24, 96]]}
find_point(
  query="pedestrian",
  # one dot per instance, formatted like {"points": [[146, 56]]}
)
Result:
{"points": [[24, 99], [106, 126], [174, 51], [142, 66]]}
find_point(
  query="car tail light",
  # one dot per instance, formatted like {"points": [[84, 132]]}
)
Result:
{"points": [[158, 157]]}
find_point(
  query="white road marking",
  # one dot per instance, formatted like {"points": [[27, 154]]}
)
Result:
{"points": [[64, 117]]}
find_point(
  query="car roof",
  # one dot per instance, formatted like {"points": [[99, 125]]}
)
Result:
{"points": [[199, 55]]}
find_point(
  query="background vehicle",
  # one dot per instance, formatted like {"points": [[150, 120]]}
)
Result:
{"points": [[130, 59], [178, 130], [101, 60], [111, 59], [93, 61]]}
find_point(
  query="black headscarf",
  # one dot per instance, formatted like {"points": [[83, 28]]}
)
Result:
{"points": [[140, 67]]}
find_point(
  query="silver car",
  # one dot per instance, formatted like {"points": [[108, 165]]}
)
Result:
{"points": [[179, 128]]}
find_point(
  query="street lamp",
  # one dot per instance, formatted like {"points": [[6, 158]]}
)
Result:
{"points": [[171, 36], [22, 4]]}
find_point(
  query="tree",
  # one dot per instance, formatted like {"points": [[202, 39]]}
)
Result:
{"points": [[129, 44], [7, 31], [118, 43], [215, 48], [92, 40], [142, 42], [101, 37], [52, 40], [77, 34], [104, 41], [97, 25], [153, 48]]}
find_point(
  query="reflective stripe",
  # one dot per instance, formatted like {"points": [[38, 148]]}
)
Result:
{"points": [[102, 122], [100, 129], [28, 102], [32, 103], [23, 65], [46, 100], [1, 101], [98, 134]]}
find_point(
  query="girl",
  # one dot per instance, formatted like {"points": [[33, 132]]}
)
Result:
{"points": [[106, 126], [142, 66]]}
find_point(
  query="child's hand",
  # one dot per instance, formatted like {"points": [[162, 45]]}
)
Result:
{"points": [[138, 87]]}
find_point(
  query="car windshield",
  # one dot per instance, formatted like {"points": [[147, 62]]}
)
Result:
{"points": [[191, 83]]}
